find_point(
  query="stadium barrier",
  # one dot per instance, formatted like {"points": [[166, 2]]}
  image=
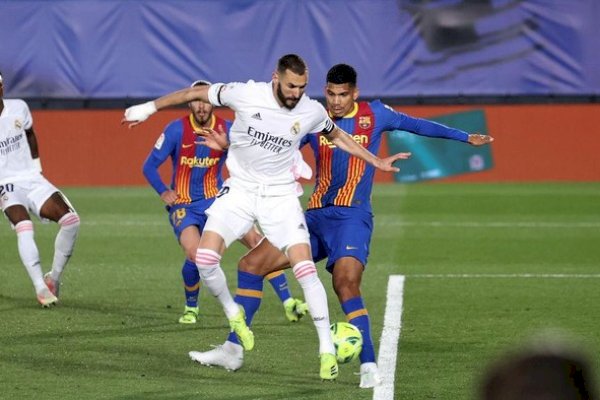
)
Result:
{"points": [[546, 142]]}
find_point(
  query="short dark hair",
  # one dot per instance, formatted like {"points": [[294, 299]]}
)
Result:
{"points": [[342, 73], [293, 62], [200, 82]]}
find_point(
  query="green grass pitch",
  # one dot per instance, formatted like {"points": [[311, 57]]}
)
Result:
{"points": [[464, 249]]}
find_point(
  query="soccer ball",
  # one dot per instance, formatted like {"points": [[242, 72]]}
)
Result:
{"points": [[347, 340]]}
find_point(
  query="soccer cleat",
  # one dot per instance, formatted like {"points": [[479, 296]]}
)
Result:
{"points": [[53, 285], [230, 357], [46, 298], [190, 315], [294, 309], [329, 367], [369, 375], [243, 333]]}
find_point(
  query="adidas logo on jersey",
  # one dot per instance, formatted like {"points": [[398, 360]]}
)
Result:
{"points": [[257, 116]]}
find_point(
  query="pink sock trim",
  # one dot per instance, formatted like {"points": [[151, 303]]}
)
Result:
{"points": [[304, 268], [207, 258], [69, 219], [24, 226]]}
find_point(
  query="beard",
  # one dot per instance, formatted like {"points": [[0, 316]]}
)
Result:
{"points": [[201, 119], [288, 102]]}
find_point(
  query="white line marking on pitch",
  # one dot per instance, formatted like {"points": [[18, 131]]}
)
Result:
{"points": [[491, 224], [555, 276], [392, 321], [390, 335]]}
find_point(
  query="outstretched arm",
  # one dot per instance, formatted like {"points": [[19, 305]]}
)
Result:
{"points": [[424, 127], [139, 113], [345, 142]]}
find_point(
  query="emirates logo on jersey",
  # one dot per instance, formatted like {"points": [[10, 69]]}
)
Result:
{"points": [[295, 128], [364, 122]]}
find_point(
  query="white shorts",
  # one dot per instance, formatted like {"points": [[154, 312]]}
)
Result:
{"points": [[31, 194], [280, 218]]}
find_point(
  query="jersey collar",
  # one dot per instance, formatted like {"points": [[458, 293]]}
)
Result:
{"points": [[197, 127]]}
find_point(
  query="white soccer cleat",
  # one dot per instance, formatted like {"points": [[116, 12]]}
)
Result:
{"points": [[46, 298], [369, 375], [228, 355]]}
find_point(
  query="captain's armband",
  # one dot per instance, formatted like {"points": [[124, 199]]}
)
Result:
{"points": [[329, 127]]}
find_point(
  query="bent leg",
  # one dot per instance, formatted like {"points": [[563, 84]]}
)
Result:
{"points": [[28, 250], [252, 267], [189, 240], [347, 276], [305, 272], [58, 209]]}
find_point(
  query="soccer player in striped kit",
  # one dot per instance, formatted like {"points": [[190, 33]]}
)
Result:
{"points": [[24, 191], [196, 180], [339, 215]]}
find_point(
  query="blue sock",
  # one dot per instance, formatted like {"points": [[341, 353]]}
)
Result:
{"points": [[357, 315], [249, 295], [279, 282], [191, 283]]}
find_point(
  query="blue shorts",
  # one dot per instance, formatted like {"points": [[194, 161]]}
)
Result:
{"points": [[337, 232], [183, 215]]}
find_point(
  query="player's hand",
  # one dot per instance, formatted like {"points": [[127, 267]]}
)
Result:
{"points": [[477, 139], [212, 139], [385, 164], [169, 197], [138, 113]]}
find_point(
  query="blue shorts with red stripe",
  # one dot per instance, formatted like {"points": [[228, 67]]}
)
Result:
{"points": [[183, 215], [337, 232]]}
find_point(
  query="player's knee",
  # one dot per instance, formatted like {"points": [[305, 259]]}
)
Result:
{"points": [[70, 221], [190, 254], [247, 265], [346, 288]]}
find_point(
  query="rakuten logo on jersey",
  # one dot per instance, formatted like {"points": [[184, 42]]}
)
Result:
{"points": [[363, 140], [268, 141], [195, 162]]}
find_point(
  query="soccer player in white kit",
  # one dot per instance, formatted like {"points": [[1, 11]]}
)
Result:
{"points": [[270, 120], [25, 191]]}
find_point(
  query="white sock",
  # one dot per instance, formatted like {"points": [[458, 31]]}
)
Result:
{"points": [[64, 243], [213, 279], [234, 348], [30, 256], [316, 299]]}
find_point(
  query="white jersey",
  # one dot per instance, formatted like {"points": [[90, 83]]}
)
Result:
{"points": [[264, 136], [16, 163]]}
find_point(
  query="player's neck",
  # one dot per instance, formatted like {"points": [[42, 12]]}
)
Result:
{"points": [[209, 123], [274, 93]]}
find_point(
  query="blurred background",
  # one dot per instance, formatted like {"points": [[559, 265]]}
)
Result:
{"points": [[524, 71]]}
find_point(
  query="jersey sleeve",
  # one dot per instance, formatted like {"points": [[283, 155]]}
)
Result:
{"points": [[419, 126], [164, 147], [221, 94], [324, 123], [27, 118], [214, 94]]}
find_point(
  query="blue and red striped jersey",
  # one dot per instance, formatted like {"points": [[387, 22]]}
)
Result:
{"points": [[197, 170], [344, 180]]}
